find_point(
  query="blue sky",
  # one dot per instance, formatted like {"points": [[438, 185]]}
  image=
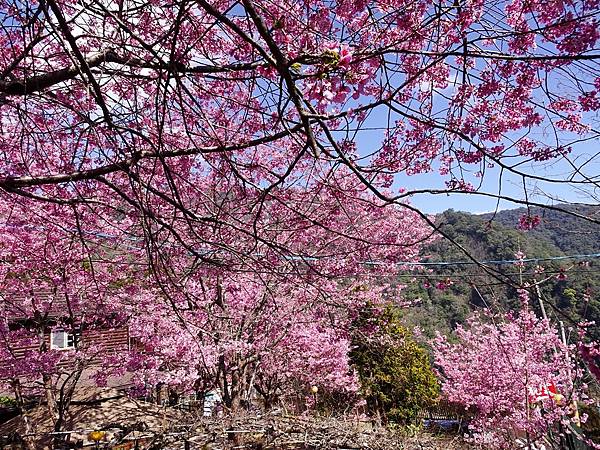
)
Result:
{"points": [[511, 185]]}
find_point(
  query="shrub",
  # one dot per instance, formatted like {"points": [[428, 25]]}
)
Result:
{"points": [[395, 373]]}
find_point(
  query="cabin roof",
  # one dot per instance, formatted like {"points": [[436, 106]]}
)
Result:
{"points": [[49, 305]]}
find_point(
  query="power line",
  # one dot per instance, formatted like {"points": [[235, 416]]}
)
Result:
{"points": [[381, 263], [492, 261]]}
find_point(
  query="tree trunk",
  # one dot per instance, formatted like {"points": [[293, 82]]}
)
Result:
{"points": [[50, 397], [28, 439], [63, 403]]}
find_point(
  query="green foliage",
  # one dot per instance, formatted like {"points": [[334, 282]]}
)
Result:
{"points": [[7, 402], [570, 295], [569, 233], [395, 372], [576, 298]]}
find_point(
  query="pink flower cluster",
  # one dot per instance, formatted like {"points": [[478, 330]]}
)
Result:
{"points": [[497, 368]]}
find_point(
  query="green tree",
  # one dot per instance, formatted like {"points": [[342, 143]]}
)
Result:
{"points": [[395, 372]]}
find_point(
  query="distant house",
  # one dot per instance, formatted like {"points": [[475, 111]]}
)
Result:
{"points": [[111, 339], [44, 331]]}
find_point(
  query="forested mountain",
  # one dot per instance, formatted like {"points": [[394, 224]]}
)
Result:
{"points": [[451, 291], [569, 233]]}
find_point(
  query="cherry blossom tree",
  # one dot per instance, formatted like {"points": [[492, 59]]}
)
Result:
{"points": [[52, 278], [150, 105], [277, 344], [241, 161], [515, 375], [269, 331]]}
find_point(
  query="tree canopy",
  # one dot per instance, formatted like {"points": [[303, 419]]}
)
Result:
{"points": [[224, 177]]}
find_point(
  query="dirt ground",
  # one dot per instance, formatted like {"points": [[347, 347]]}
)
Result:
{"points": [[303, 433]]}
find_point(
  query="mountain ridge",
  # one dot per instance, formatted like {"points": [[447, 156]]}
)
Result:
{"points": [[450, 293]]}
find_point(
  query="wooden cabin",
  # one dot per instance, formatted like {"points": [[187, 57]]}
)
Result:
{"points": [[44, 331]]}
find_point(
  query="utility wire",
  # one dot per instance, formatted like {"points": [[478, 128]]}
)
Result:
{"points": [[492, 261]]}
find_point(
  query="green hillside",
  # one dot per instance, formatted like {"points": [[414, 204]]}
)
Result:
{"points": [[449, 293], [569, 233]]}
